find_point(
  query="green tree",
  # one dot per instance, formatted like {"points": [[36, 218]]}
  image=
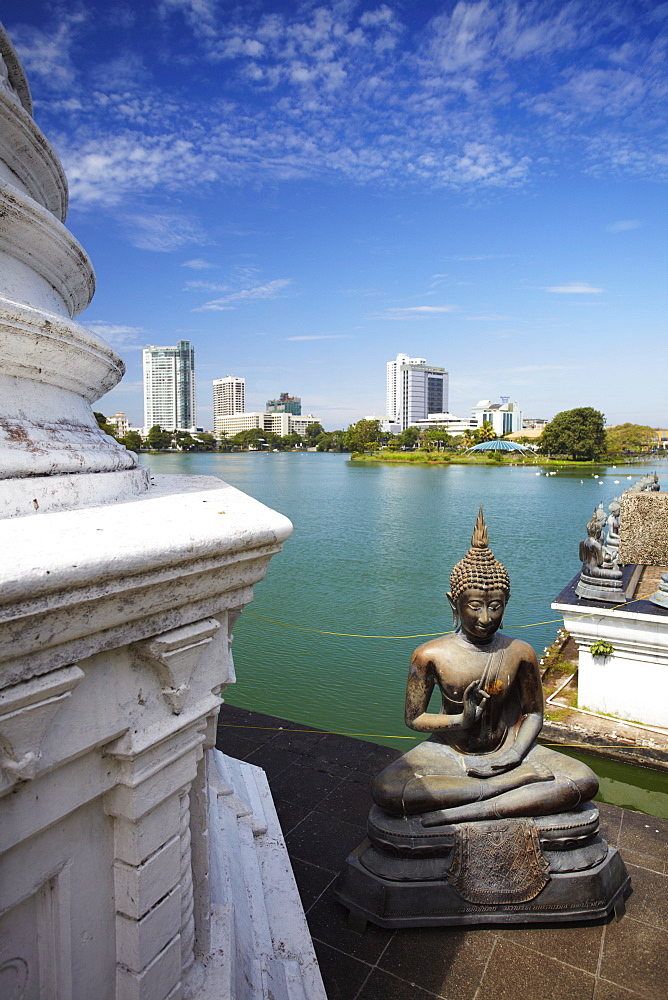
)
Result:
{"points": [[576, 434], [629, 437], [436, 437], [312, 433], [363, 435], [292, 440], [254, 438], [205, 442], [485, 432], [132, 441], [109, 429], [159, 440], [409, 438], [331, 441]]}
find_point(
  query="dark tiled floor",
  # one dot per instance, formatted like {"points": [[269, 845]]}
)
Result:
{"points": [[320, 782]]}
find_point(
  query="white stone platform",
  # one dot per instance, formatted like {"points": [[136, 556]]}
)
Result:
{"points": [[133, 864]]}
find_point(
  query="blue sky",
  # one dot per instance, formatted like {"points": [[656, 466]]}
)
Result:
{"points": [[304, 190]]}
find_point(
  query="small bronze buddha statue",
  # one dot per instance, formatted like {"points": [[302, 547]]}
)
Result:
{"points": [[479, 824], [600, 577]]}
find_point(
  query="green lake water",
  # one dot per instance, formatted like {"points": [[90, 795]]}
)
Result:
{"points": [[371, 556]]}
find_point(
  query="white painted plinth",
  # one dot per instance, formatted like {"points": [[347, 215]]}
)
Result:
{"points": [[132, 865], [631, 683]]}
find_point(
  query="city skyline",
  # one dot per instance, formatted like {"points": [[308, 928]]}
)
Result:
{"points": [[302, 192]]}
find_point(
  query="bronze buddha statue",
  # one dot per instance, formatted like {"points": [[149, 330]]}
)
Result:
{"points": [[479, 824], [481, 761]]}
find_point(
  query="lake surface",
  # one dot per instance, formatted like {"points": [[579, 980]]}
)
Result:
{"points": [[371, 557]]}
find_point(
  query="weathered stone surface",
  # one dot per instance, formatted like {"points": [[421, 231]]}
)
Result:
{"points": [[643, 530]]}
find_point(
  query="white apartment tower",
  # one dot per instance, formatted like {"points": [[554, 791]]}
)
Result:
{"points": [[229, 398], [169, 387], [414, 390]]}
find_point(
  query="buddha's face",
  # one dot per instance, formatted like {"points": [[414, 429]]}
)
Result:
{"points": [[481, 612]]}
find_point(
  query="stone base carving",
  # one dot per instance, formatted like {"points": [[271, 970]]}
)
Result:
{"points": [[549, 869], [599, 589]]}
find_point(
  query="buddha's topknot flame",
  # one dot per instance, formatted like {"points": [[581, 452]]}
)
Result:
{"points": [[479, 568], [479, 539]]}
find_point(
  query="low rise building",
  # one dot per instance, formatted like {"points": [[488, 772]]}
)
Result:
{"points": [[661, 437], [273, 423], [120, 422], [533, 423], [452, 424], [505, 417]]}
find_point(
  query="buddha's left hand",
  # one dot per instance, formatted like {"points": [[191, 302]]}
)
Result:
{"points": [[506, 761]]}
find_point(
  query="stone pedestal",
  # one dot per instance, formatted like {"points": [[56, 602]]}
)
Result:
{"points": [[547, 869]]}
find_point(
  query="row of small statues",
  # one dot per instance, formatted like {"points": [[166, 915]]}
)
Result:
{"points": [[601, 574], [650, 482]]}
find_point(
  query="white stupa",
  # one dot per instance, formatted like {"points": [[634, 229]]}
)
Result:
{"points": [[53, 455]]}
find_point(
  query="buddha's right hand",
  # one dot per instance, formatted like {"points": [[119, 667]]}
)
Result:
{"points": [[475, 699]]}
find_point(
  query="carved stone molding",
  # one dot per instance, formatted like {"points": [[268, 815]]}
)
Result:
{"points": [[175, 655], [26, 712]]}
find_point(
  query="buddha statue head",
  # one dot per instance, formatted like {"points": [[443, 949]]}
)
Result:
{"points": [[479, 588]]}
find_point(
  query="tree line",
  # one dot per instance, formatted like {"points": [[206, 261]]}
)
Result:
{"points": [[577, 435]]}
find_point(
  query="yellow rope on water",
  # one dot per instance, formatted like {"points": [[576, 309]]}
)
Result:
{"points": [[422, 635], [350, 635]]}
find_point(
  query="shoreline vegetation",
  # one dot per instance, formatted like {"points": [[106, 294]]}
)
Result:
{"points": [[575, 438], [510, 458]]}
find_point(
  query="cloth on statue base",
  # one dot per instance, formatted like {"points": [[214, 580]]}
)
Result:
{"points": [[498, 862]]}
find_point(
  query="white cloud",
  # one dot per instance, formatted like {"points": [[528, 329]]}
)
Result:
{"points": [[270, 290], [47, 54], [123, 386], [575, 288], [197, 264], [163, 232], [482, 96], [623, 225], [122, 338], [410, 312]]}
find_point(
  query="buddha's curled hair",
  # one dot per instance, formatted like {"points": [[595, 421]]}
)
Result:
{"points": [[479, 568]]}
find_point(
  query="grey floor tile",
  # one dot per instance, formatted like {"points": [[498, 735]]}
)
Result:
{"points": [[649, 899], [608, 991], [644, 834], [324, 841], [311, 881], [303, 785], [635, 956], [328, 922], [575, 944], [350, 799], [445, 961], [382, 986], [516, 973], [342, 975]]}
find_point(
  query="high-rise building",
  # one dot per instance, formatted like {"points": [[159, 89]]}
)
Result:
{"points": [[169, 387], [229, 399], [285, 404], [414, 390]]}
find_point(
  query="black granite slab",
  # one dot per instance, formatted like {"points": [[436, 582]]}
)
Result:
{"points": [[568, 596]]}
